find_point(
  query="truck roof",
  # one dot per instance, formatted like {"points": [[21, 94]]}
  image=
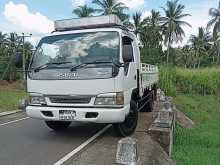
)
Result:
{"points": [[114, 29], [90, 24]]}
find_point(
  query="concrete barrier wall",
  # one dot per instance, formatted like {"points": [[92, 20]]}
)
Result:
{"points": [[161, 131], [162, 128]]}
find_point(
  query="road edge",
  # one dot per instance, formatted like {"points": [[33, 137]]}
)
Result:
{"points": [[82, 146], [9, 113]]}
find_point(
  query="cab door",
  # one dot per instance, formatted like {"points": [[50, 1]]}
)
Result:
{"points": [[130, 67]]}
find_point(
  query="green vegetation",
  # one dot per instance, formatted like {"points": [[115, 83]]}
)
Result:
{"points": [[199, 145], [9, 99], [167, 80], [83, 11], [204, 81], [166, 28], [160, 29], [107, 7], [201, 81], [11, 44], [173, 24], [196, 93]]}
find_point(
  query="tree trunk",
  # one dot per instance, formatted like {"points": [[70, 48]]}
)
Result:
{"points": [[195, 60], [218, 58], [199, 62], [213, 59], [194, 65], [168, 51]]}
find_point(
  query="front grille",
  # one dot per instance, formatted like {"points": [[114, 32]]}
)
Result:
{"points": [[70, 99]]}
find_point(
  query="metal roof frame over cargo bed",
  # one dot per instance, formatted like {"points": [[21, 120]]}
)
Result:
{"points": [[89, 23]]}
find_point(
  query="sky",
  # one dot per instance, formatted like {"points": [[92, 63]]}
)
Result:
{"points": [[37, 16]]}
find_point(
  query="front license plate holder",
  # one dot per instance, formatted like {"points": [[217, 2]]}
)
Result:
{"points": [[67, 114]]}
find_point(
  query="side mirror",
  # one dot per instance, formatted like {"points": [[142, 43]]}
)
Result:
{"points": [[18, 60], [127, 53]]}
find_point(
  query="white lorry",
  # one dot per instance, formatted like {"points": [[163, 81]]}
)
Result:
{"points": [[89, 70]]}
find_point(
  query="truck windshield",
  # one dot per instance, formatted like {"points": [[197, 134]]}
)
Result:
{"points": [[77, 48], [63, 52]]}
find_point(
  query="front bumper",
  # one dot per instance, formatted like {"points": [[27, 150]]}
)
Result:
{"points": [[105, 115]]}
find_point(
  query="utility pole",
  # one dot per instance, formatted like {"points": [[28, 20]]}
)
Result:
{"points": [[23, 54]]}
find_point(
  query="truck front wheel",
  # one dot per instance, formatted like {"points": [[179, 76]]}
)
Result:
{"points": [[58, 125], [129, 125]]}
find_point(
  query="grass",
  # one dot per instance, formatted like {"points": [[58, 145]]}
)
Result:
{"points": [[204, 81], [9, 99], [200, 145], [167, 80], [199, 81]]}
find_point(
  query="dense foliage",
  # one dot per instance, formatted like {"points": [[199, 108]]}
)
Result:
{"points": [[10, 44], [205, 81], [158, 35], [159, 32]]}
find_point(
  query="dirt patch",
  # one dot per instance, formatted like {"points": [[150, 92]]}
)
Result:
{"points": [[5, 85]]}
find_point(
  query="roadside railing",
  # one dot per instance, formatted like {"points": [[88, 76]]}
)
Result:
{"points": [[147, 68]]}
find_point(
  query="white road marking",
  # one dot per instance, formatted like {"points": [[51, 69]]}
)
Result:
{"points": [[14, 121], [83, 145]]}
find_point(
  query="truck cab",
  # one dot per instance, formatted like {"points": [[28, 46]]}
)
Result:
{"points": [[87, 70]]}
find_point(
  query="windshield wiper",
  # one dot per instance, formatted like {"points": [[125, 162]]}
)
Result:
{"points": [[115, 63], [88, 63], [37, 69]]}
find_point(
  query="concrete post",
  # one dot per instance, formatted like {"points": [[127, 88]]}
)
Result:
{"points": [[127, 153]]}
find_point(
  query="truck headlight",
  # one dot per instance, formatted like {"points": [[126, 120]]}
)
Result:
{"points": [[37, 100], [110, 99]]}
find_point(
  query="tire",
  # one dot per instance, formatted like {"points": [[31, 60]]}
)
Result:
{"points": [[128, 127], [58, 125], [155, 92], [135, 95], [149, 106]]}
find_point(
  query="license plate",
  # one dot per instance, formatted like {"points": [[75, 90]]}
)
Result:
{"points": [[67, 114]]}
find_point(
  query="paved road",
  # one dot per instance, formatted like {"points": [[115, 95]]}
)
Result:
{"points": [[30, 142]]}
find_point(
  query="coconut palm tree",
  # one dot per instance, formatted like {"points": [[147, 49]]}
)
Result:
{"points": [[107, 7], [215, 49], [3, 43], [13, 40], [200, 44], [173, 24], [154, 20], [2, 37], [137, 23], [153, 29], [83, 11], [215, 21]]}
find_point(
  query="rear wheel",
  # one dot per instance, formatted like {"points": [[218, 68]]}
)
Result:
{"points": [[58, 125], [128, 127], [150, 104], [147, 107]]}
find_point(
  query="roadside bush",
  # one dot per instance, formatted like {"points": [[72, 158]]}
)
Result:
{"points": [[199, 81], [196, 81], [152, 55], [167, 80]]}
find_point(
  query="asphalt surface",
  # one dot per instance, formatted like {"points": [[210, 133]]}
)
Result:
{"points": [[29, 141]]}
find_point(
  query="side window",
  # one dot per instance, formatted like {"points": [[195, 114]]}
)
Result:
{"points": [[128, 55]]}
